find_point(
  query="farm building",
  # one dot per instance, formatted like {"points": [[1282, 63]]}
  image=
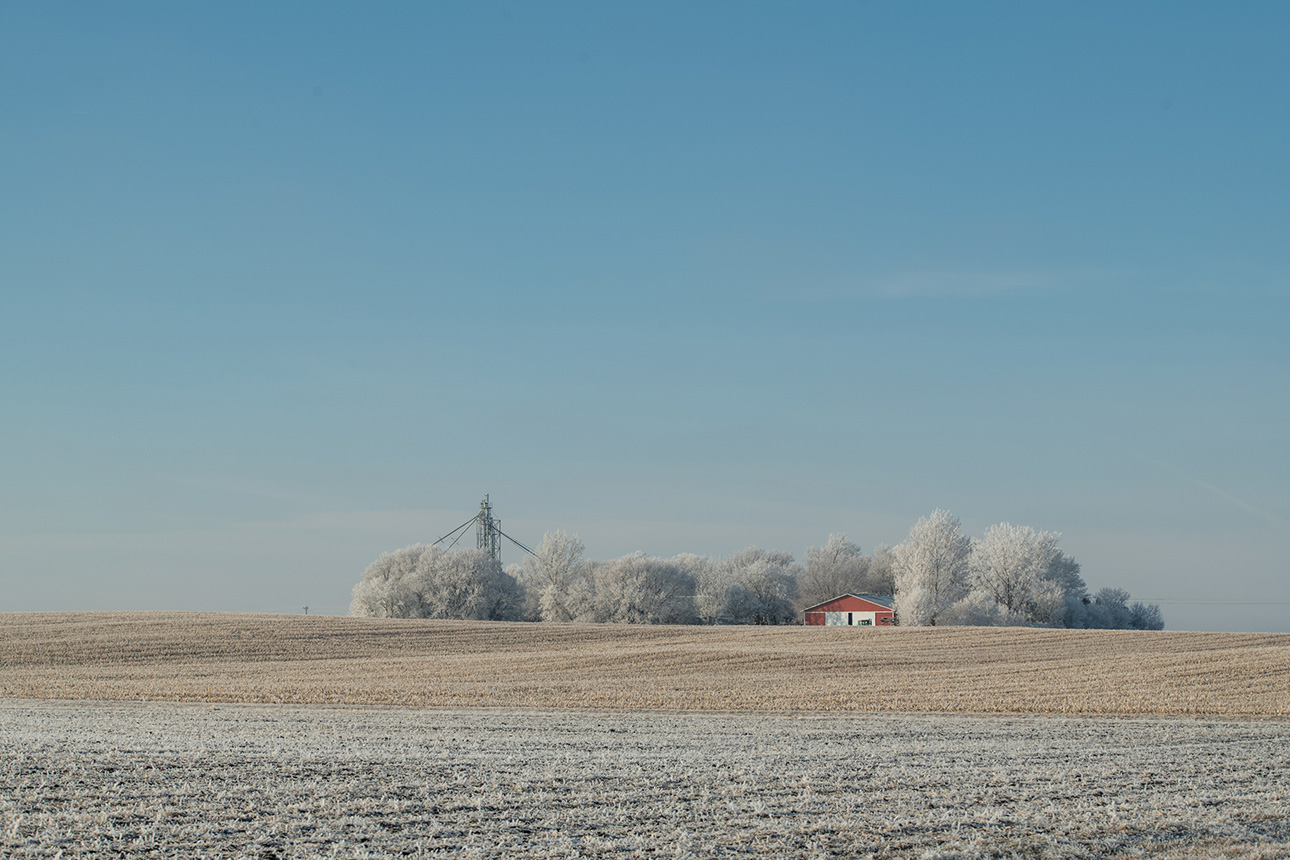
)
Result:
{"points": [[854, 610]]}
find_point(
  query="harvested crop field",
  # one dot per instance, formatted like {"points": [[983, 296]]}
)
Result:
{"points": [[182, 657], [167, 780], [221, 735]]}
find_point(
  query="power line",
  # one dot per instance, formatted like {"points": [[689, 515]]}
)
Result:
{"points": [[1199, 601]]}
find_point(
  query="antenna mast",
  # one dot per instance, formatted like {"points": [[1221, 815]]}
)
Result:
{"points": [[488, 531]]}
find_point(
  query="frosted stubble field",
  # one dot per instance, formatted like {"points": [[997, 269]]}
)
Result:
{"points": [[100, 780], [225, 735], [321, 660]]}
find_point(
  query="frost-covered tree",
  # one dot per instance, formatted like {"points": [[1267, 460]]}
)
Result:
{"points": [[978, 609], [387, 587], [760, 586], [557, 580], [832, 570], [1010, 564], [465, 584], [642, 589], [710, 586], [1065, 571], [1145, 616], [1110, 609], [931, 568], [430, 582], [882, 570]]}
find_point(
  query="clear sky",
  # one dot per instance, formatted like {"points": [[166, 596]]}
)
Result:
{"points": [[283, 286]]}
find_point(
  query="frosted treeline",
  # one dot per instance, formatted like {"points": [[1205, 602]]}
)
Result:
{"points": [[1011, 576], [431, 582]]}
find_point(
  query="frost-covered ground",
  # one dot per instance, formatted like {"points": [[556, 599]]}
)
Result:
{"points": [[167, 780]]}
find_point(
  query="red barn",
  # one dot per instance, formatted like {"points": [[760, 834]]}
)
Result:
{"points": [[854, 610]]}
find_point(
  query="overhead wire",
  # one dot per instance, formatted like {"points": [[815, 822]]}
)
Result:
{"points": [[454, 531], [1197, 601], [514, 541], [460, 530]]}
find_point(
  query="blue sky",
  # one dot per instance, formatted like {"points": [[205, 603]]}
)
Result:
{"points": [[284, 287]]}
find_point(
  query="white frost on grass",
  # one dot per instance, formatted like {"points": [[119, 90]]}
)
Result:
{"points": [[100, 780]]}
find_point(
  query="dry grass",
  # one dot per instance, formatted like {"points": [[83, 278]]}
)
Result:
{"points": [[182, 657]]}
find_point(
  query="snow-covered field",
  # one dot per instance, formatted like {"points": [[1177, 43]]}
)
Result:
{"points": [[188, 780]]}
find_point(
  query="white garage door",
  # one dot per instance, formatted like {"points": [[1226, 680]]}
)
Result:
{"points": [[854, 619]]}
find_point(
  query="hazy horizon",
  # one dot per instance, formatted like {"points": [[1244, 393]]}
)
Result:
{"points": [[283, 288]]}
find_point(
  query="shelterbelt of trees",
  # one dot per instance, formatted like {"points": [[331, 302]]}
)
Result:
{"points": [[1012, 575]]}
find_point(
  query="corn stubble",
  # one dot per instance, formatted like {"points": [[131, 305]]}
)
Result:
{"points": [[243, 658], [608, 740], [269, 781]]}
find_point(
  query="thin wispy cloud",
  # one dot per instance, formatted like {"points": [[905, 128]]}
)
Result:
{"points": [[966, 284], [1267, 516], [240, 485], [951, 284], [410, 520]]}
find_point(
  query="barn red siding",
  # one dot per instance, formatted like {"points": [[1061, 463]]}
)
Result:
{"points": [[883, 616]]}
